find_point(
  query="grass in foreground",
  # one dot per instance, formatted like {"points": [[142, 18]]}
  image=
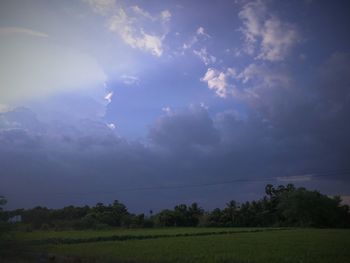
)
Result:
{"points": [[298, 245], [86, 234]]}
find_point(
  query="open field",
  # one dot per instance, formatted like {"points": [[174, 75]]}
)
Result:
{"points": [[137, 232], [211, 245]]}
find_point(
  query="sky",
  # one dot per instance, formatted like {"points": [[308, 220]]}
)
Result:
{"points": [[156, 103]]}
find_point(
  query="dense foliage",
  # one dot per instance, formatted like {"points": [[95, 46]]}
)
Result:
{"points": [[281, 206], [4, 226]]}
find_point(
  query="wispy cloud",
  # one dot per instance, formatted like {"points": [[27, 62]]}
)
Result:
{"points": [[205, 56], [109, 96], [263, 76], [129, 79], [3, 108], [201, 31], [126, 22], [102, 7], [133, 35], [295, 178], [266, 35], [112, 126], [199, 35], [165, 15], [167, 110], [140, 12], [21, 30]]}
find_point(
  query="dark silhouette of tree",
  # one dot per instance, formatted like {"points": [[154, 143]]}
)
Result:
{"points": [[281, 206], [310, 208], [165, 218], [231, 213]]}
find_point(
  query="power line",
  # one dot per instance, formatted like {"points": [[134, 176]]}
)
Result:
{"points": [[293, 178]]}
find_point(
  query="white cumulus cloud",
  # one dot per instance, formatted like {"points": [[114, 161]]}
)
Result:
{"points": [[250, 83], [219, 81]]}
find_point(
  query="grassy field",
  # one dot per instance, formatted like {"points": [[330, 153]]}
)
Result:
{"points": [[44, 235], [237, 245]]}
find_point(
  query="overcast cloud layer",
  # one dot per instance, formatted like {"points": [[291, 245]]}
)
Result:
{"points": [[154, 104]]}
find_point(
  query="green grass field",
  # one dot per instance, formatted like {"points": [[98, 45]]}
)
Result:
{"points": [[236, 246], [43, 235]]}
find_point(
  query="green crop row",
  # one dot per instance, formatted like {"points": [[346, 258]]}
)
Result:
{"points": [[125, 237], [294, 246]]}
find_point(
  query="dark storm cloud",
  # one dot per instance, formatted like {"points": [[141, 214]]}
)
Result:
{"points": [[289, 129], [18, 138], [297, 130], [189, 128]]}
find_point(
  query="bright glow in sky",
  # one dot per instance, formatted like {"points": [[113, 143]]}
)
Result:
{"points": [[97, 95]]}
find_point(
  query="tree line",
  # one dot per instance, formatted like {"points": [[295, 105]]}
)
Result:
{"points": [[282, 206]]}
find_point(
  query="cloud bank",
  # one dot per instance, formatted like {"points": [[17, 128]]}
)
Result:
{"points": [[282, 135]]}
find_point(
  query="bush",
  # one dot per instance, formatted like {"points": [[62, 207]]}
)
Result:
{"points": [[5, 228], [45, 227]]}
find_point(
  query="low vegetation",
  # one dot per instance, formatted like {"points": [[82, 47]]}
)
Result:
{"points": [[301, 245], [263, 246]]}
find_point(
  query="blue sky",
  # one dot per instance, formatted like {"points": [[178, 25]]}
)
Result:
{"points": [[101, 96]]}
